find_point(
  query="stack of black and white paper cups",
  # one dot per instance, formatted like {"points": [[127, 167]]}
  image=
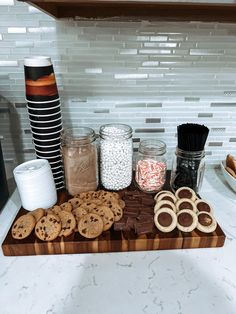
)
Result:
{"points": [[44, 111]]}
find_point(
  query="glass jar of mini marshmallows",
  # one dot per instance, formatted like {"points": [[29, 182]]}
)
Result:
{"points": [[116, 156]]}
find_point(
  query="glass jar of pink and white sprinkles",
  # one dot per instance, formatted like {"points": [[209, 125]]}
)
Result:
{"points": [[150, 168]]}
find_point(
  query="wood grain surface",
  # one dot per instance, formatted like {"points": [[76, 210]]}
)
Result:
{"points": [[111, 240]]}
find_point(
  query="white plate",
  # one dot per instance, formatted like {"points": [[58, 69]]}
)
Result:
{"points": [[228, 177]]}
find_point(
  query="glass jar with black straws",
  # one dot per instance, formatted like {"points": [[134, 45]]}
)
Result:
{"points": [[189, 165]]}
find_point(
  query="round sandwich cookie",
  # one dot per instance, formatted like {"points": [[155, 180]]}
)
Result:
{"points": [[203, 206], [165, 220], [23, 226], [68, 223], [166, 204], [48, 227], [90, 226], [166, 197], [186, 220], [162, 192], [185, 192], [185, 203], [206, 222]]}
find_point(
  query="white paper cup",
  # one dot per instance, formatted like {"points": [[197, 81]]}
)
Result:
{"points": [[35, 184], [47, 127], [47, 121], [52, 157], [46, 108], [46, 134], [45, 115], [42, 102]]}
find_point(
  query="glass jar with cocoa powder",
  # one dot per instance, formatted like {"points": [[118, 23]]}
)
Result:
{"points": [[79, 153]]}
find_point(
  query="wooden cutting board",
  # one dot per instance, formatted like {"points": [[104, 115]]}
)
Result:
{"points": [[110, 241]]}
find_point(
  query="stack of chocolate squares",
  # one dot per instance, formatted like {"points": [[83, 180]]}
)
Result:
{"points": [[138, 213]]}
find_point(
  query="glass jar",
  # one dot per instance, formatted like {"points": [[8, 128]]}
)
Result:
{"points": [[150, 166], [79, 153], [116, 156], [187, 169]]}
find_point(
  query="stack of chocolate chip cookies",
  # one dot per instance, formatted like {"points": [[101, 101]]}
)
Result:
{"points": [[89, 213]]}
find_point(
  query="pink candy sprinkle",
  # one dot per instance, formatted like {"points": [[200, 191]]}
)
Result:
{"points": [[150, 174]]}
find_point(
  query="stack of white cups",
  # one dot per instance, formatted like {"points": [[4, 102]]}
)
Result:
{"points": [[35, 184]]}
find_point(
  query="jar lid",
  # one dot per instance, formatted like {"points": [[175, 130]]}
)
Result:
{"points": [[115, 130], [152, 147], [77, 136]]}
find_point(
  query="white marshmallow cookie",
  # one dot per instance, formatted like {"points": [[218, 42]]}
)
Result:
{"points": [[116, 156]]}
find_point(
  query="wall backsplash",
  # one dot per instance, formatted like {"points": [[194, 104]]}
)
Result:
{"points": [[152, 75]]}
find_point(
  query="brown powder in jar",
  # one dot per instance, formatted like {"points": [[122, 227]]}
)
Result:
{"points": [[80, 167]]}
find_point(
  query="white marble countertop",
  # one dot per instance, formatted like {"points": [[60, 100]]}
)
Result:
{"points": [[189, 281]]}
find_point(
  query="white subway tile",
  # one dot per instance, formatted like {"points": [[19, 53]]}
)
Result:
{"points": [[41, 29], [4, 63], [7, 2], [16, 30]]}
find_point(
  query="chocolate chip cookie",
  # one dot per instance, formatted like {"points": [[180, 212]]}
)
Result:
{"points": [[23, 226], [90, 226], [68, 223], [48, 227]]}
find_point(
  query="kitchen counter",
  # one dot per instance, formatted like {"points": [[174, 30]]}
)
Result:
{"points": [[189, 281]]}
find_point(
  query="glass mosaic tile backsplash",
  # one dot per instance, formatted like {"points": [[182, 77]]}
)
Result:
{"points": [[152, 75]]}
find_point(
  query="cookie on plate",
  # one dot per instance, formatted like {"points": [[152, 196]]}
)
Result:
{"points": [[23, 226], [90, 226], [48, 227], [231, 162]]}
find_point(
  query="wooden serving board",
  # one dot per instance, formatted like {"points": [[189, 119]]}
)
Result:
{"points": [[110, 241]]}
